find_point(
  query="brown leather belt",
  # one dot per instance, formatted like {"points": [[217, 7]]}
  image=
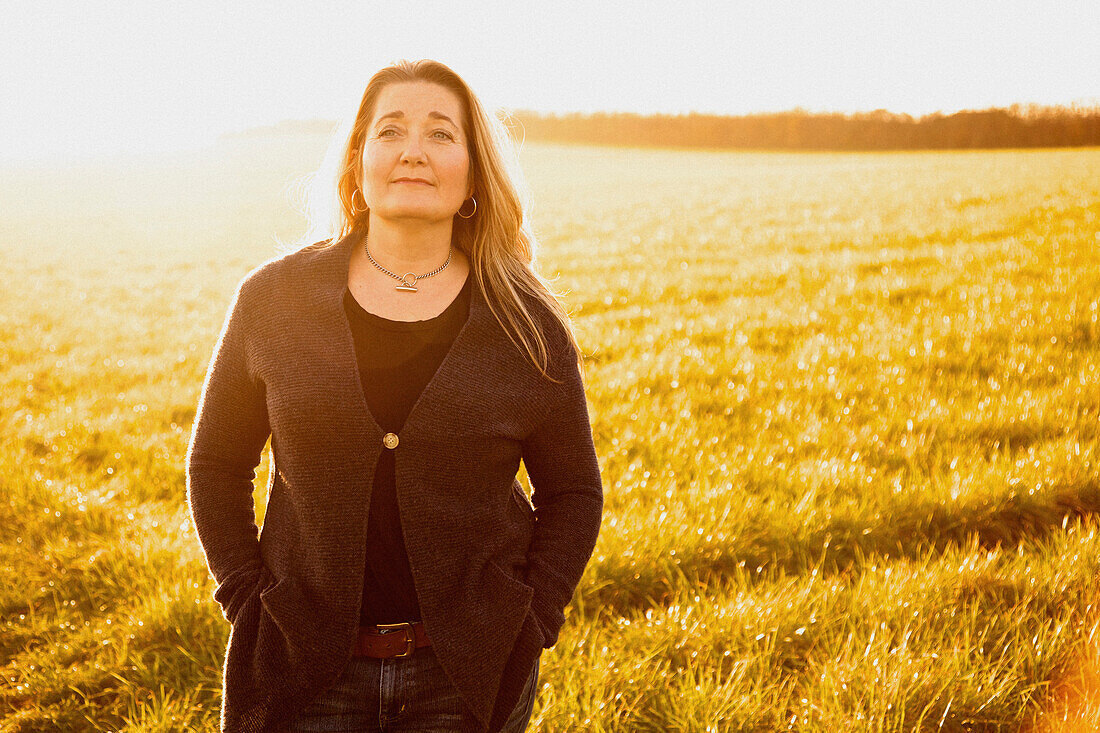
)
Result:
{"points": [[387, 641]]}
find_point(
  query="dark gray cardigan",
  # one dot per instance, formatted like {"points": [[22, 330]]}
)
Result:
{"points": [[493, 575]]}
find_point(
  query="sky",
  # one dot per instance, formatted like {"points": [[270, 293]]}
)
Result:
{"points": [[90, 79]]}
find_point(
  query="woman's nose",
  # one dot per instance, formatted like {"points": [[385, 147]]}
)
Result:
{"points": [[413, 151]]}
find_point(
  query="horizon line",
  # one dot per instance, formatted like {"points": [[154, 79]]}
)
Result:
{"points": [[1087, 106]]}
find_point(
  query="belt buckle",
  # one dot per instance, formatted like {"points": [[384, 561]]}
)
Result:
{"points": [[410, 639]]}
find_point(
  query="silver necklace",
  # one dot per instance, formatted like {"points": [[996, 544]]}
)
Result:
{"points": [[407, 282]]}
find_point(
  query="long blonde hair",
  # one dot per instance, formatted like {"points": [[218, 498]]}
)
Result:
{"points": [[496, 239]]}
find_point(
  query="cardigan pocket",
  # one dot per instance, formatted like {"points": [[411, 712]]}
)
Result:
{"points": [[234, 593], [276, 602], [280, 633], [522, 590]]}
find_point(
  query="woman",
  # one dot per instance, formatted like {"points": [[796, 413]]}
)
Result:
{"points": [[402, 581]]}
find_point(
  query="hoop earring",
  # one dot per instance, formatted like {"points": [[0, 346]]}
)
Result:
{"points": [[471, 214], [355, 211]]}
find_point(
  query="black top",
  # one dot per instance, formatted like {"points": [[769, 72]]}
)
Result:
{"points": [[396, 361]]}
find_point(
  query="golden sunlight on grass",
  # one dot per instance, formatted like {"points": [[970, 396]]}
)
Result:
{"points": [[845, 406], [1074, 705]]}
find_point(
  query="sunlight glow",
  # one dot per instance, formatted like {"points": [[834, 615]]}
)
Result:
{"points": [[105, 78]]}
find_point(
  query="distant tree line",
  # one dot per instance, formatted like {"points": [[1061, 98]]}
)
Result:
{"points": [[1018, 126]]}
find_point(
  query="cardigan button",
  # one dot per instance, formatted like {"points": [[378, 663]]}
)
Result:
{"points": [[390, 440]]}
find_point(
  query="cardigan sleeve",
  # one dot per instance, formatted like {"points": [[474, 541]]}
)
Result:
{"points": [[567, 494], [227, 440]]}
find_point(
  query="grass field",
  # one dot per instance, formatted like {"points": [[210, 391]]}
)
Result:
{"points": [[846, 408]]}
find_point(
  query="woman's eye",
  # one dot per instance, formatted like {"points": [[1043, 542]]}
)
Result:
{"points": [[388, 132], [443, 135]]}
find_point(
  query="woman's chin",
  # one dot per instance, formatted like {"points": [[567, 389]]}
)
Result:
{"points": [[414, 215]]}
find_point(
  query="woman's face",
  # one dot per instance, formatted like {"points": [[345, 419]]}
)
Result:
{"points": [[416, 160]]}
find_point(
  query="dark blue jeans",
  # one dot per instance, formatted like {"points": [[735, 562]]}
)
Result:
{"points": [[399, 696]]}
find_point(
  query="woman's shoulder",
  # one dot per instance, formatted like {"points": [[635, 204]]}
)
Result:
{"points": [[281, 269]]}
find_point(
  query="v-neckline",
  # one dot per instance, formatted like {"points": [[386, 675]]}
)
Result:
{"points": [[331, 285]]}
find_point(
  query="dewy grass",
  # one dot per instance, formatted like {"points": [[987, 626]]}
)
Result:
{"points": [[845, 406]]}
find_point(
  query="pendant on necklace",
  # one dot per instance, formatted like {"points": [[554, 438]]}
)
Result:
{"points": [[408, 283]]}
